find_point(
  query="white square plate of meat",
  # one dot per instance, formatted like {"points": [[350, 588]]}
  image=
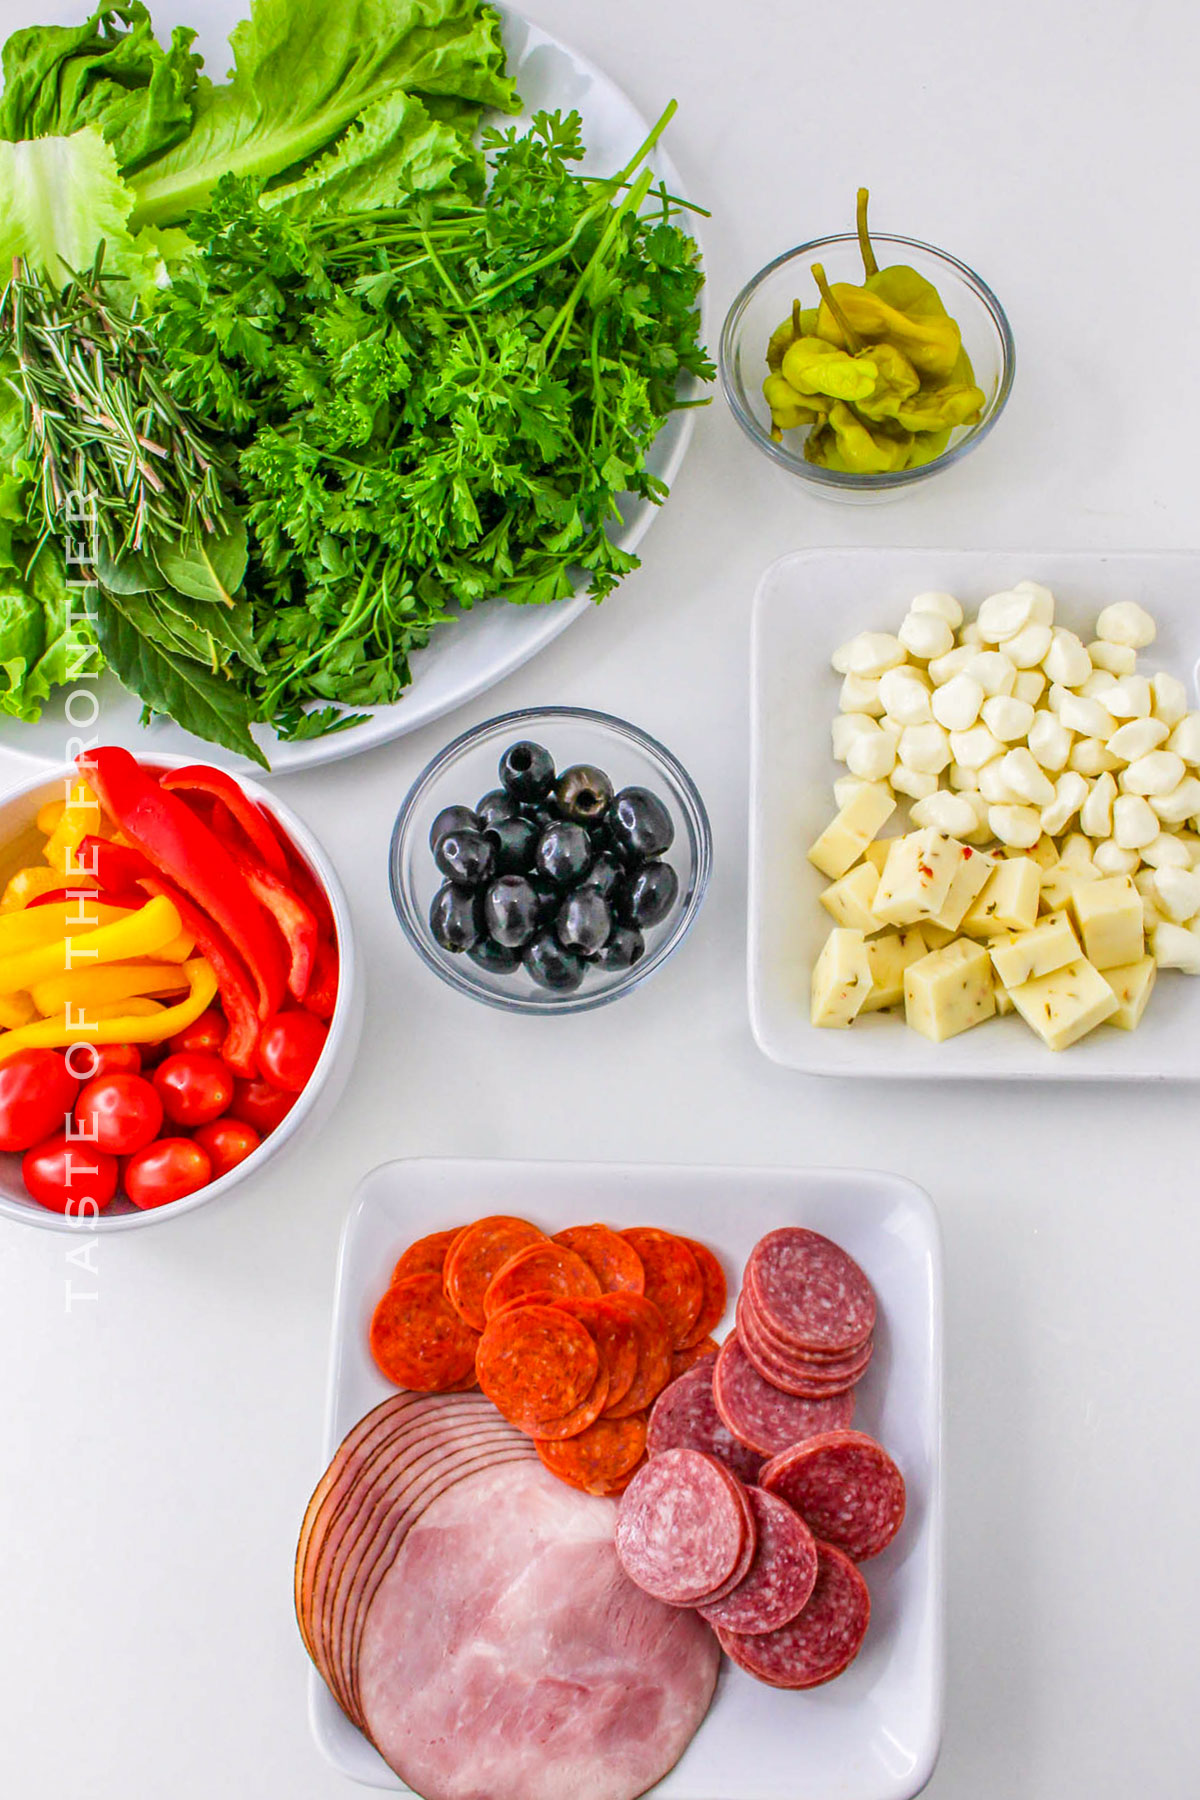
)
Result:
{"points": [[872, 1734]]}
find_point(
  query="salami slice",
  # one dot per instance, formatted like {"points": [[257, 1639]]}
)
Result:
{"points": [[791, 1376], [810, 1291], [614, 1262], [673, 1280], [781, 1576], [683, 1360], [427, 1256], [759, 1414], [682, 1527], [686, 1418], [419, 1341], [544, 1268], [536, 1363], [804, 1362], [654, 1354], [845, 1487], [821, 1642], [716, 1292], [616, 1337], [476, 1254], [600, 1457]]}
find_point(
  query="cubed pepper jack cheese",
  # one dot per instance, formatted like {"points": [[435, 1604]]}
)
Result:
{"points": [[916, 877], [970, 878], [1066, 1004], [849, 900], [949, 991], [1059, 884], [889, 956], [1022, 956], [1009, 902], [841, 979], [1133, 985], [844, 842], [877, 853], [1110, 920]]}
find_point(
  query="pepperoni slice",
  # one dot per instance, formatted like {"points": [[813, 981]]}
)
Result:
{"points": [[475, 1256], [616, 1337], [716, 1293], [570, 1424], [535, 1363], [781, 1576], [845, 1487], [427, 1256], [683, 1360], [685, 1417], [682, 1527], [821, 1641], [673, 1280], [654, 1355], [614, 1262], [419, 1341], [604, 1454], [809, 1291], [758, 1413], [544, 1268]]}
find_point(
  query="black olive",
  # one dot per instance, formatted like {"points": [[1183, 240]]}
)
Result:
{"points": [[584, 921], [549, 898], [494, 808], [553, 967], [456, 918], [647, 896], [604, 875], [527, 771], [496, 958], [639, 824], [515, 841], [583, 794], [564, 853], [541, 814], [510, 911], [625, 946], [467, 857], [452, 818]]}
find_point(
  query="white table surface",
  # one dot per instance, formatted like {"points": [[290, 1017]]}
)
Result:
{"points": [[161, 1437]]}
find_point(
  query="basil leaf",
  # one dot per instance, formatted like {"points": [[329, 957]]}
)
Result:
{"points": [[207, 568]]}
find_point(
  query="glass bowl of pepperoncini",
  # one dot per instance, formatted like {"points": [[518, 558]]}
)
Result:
{"points": [[865, 363]]}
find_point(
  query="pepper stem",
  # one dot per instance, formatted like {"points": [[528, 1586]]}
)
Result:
{"points": [[797, 328], [864, 236], [853, 342]]}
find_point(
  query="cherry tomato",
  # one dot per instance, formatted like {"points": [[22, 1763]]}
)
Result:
{"points": [[118, 1113], [70, 1177], [208, 1032], [289, 1046], [259, 1104], [37, 1092], [116, 1059], [228, 1142], [166, 1170], [194, 1087]]}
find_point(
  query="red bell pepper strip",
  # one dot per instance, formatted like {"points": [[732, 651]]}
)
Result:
{"points": [[182, 848], [129, 897], [322, 994], [295, 920], [116, 866], [199, 778], [233, 982]]}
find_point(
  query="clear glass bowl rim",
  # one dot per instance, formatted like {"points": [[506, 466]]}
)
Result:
{"points": [[416, 930], [839, 478]]}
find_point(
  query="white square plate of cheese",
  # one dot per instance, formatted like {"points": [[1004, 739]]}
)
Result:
{"points": [[873, 1734], [806, 606]]}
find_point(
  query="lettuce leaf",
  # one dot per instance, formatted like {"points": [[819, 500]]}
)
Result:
{"points": [[45, 639], [304, 75], [60, 198], [59, 78], [395, 150]]}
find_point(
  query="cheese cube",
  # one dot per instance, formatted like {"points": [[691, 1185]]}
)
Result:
{"points": [[1022, 956], [877, 853], [1111, 925], [1133, 985], [1066, 1004], [889, 956], [916, 877], [1043, 853], [843, 842], [841, 979], [970, 878], [936, 935], [1004, 1003], [1009, 902], [849, 900], [1058, 884], [949, 990]]}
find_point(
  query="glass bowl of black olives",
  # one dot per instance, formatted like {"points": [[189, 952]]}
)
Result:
{"points": [[550, 860]]}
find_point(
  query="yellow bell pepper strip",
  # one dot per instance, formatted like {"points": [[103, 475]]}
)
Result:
{"points": [[119, 1022], [111, 981], [137, 934], [81, 816], [15, 1010], [28, 884], [49, 815], [48, 924]]}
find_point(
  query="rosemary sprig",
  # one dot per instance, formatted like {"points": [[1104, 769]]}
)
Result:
{"points": [[101, 423]]}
